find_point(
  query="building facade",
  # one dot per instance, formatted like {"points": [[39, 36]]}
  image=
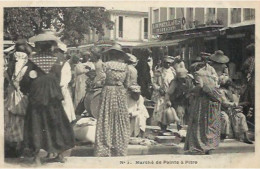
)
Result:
{"points": [[189, 31], [130, 29]]}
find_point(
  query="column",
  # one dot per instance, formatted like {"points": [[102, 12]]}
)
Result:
{"points": [[205, 15], [229, 17], [168, 13], [142, 29], [193, 14], [175, 13], [242, 15], [216, 14], [116, 33]]}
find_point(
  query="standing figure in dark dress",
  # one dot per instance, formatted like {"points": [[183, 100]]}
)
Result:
{"points": [[46, 125]]}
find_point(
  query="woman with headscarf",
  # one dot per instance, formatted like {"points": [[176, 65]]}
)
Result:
{"points": [[132, 61], [80, 77], [176, 95], [162, 79], [137, 110], [16, 102], [235, 119], [203, 134], [47, 126], [112, 132]]}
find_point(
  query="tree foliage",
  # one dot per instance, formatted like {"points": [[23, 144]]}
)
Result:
{"points": [[70, 22]]}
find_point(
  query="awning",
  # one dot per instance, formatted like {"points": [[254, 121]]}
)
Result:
{"points": [[124, 44], [129, 44], [160, 43], [237, 25]]}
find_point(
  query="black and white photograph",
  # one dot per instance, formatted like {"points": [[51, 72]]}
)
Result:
{"points": [[129, 85]]}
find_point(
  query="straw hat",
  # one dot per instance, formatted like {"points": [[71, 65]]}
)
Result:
{"points": [[181, 72], [219, 57], [131, 58], [49, 35], [168, 59], [116, 47]]}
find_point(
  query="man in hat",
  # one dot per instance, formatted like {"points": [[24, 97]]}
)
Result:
{"points": [[95, 58], [162, 78], [219, 61], [177, 94], [137, 110]]}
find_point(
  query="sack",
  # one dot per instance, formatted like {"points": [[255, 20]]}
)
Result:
{"points": [[170, 116], [85, 130], [17, 103]]}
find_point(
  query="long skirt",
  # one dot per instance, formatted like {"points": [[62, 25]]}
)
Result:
{"points": [[112, 132], [204, 126], [80, 89], [68, 104], [46, 124]]}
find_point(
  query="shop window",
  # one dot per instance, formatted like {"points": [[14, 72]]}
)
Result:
{"points": [[235, 15], [120, 26], [145, 28], [249, 14], [156, 16]]}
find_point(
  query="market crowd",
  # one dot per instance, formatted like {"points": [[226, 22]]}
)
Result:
{"points": [[46, 90]]}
